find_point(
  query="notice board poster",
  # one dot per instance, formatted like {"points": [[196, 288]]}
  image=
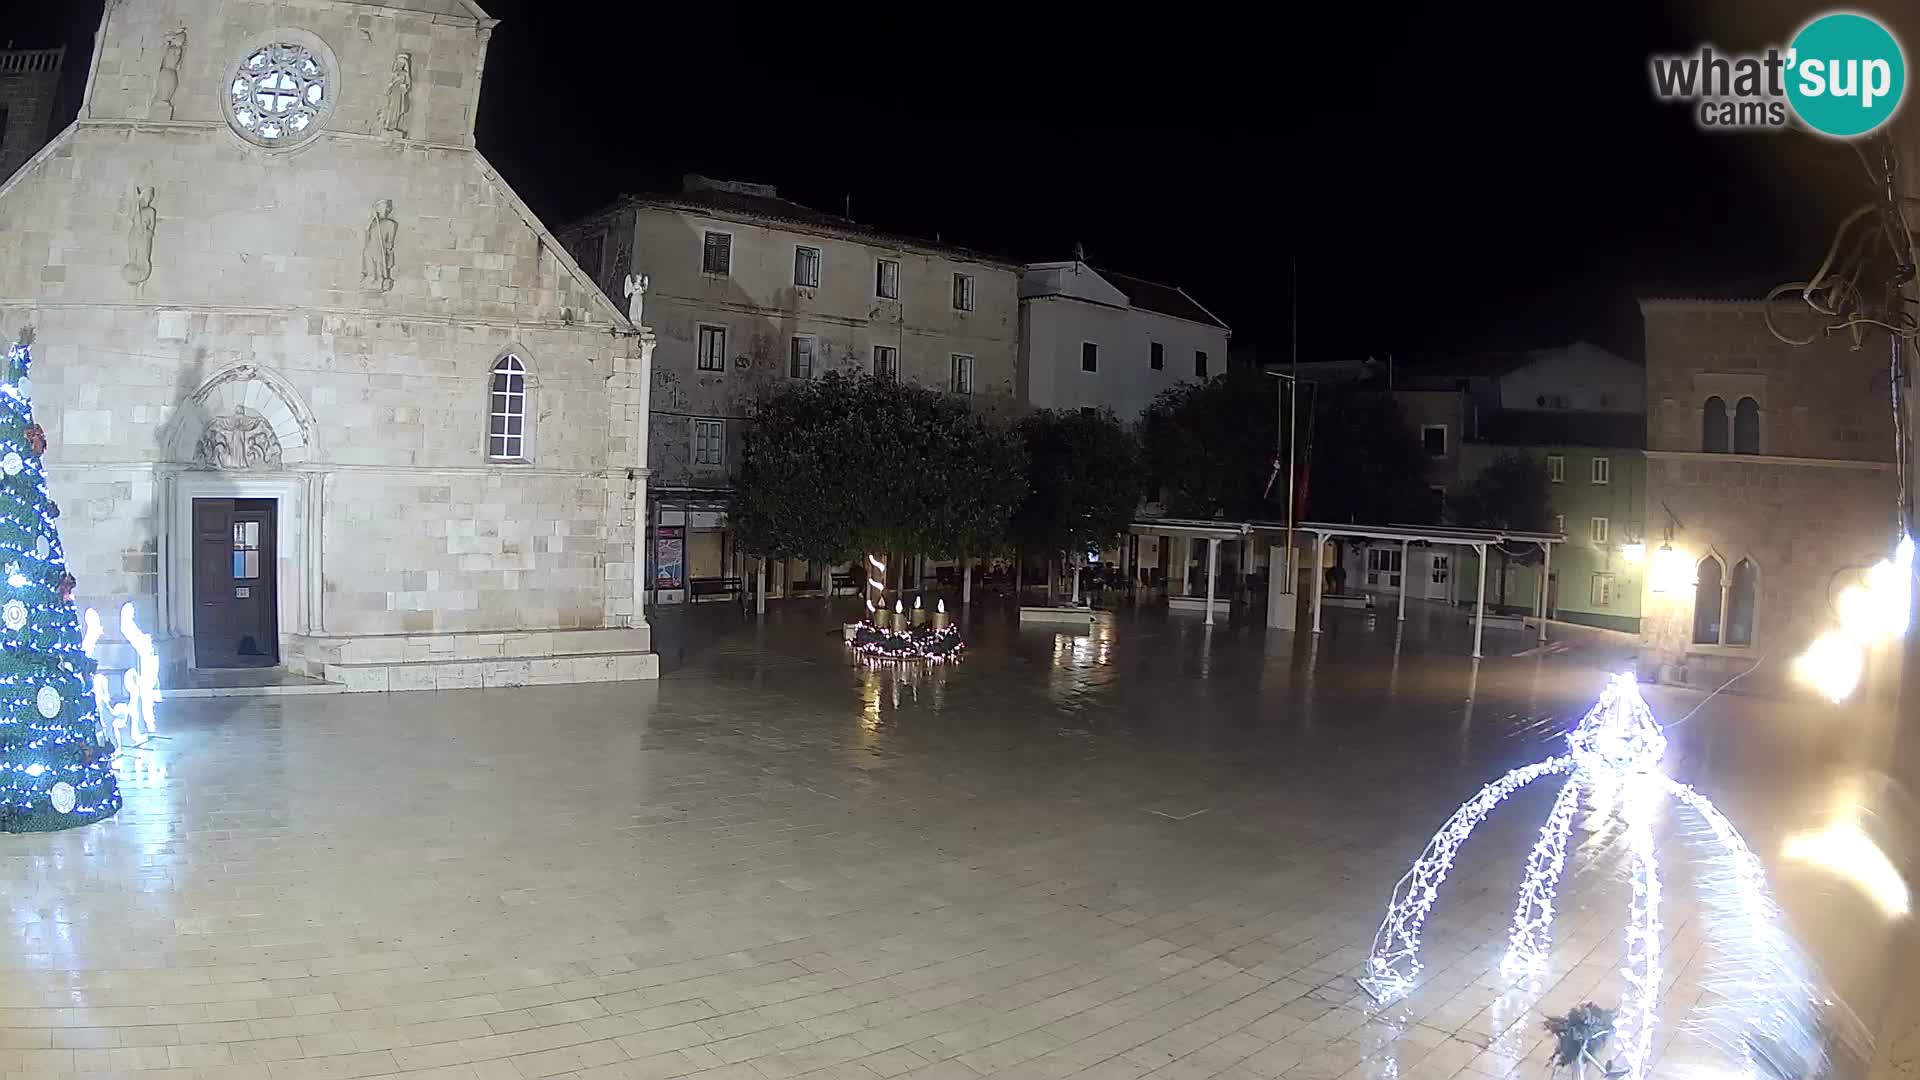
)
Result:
{"points": [[669, 556]]}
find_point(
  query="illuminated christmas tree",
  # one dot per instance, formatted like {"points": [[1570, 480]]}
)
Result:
{"points": [[54, 771]]}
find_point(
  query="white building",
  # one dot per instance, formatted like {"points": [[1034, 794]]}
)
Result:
{"points": [[1098, 339], [320, 390], [746, 289]]}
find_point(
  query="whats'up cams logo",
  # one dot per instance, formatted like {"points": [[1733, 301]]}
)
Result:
{"points": [[1843, 76]]}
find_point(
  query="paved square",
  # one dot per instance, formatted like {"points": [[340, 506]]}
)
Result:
{"points": [[1158, 852]]}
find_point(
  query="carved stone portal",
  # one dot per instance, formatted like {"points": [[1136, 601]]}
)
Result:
{"points": [[239, 441]]}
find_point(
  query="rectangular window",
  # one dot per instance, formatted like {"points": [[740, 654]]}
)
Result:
{"points": [[962, 374], [1597, 530], [1602, 590], [806, 267], [800, 360], [1560, 524], [710, 443], [886, 279], [1434, 438], [246, 550], [886, 362], [1089, 356], [1383, 564], [1557, 468], [1156, 356], [1602, 470], [713, 348], [1442, 564], [716, 255], [1199, 363], [963, 292]]}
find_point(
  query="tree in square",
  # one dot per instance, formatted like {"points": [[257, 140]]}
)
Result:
{"points": [[55, 772]]}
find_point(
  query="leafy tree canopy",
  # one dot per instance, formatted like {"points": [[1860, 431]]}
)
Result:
{"points": [[1368, 465], [1083, 482], [1512, 492], [1209, 446], [846, 463]]}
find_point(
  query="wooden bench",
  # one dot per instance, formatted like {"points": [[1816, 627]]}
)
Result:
{"points": [[714, 586]]}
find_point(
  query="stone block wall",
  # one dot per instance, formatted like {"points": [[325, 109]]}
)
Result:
{"points": [[447, 55], [1823, 400], [1816, 502], [258, 263], [29, 89]]}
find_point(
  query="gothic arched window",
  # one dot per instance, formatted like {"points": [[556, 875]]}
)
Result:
{"points": [[507, 434], [1707, 601], [1742, 588], [1746, 427], [1713, 426]]}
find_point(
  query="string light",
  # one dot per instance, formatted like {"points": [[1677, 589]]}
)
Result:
{"points": [[1616, 747]]}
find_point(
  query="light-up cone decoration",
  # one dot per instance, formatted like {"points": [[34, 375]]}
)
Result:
{"points": [[1616, 749]]}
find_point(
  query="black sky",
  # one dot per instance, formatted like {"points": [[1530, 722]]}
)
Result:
{"points": [[1482, 176]]}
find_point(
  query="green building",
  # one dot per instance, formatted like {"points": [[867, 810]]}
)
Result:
{"points": [[1598, 469]]}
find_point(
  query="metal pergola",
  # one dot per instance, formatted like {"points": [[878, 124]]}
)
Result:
{"points": [[1477, 539]]}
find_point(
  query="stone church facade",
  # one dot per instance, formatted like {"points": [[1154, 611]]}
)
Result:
{"points": [[1770, 471], [320, 390]]}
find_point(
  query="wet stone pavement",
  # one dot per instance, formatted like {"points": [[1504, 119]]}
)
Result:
{"points": [[1158, 851]]}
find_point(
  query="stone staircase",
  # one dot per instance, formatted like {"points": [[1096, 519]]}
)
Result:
{"points": [[475, 660]]}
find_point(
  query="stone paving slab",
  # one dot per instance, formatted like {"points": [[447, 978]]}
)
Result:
{"points": [[1157, 853]]}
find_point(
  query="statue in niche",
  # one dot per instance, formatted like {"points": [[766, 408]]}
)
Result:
{"points": [[240, 441], [140, 228], [168, 80], [376, 256], [636, 292], [393, 117]]}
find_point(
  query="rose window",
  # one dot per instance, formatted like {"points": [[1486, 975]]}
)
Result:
{"points": [[279, 95]]}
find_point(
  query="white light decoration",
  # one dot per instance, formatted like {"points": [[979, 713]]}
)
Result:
{"points": [[1616, 751], [63, 797], [940, 606], [14, 615], [91, 637], [48, 702], [142, 681]]}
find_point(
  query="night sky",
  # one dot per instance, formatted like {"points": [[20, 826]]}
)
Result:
{"points": [[1448, 179]]}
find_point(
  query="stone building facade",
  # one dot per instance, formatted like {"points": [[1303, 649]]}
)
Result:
{"points": [[746, 289], [29, 90], [1770, 470], [1094, 338], [274, 283]]}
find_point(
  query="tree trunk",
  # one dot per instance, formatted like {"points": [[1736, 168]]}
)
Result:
{"points": [[826, 587], [1503, 576]]}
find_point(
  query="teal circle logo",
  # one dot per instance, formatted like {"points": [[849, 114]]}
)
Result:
{"points": [[1846, 75]]}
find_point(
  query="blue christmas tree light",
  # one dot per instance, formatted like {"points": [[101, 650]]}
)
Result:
{"points": [[55, 772]]}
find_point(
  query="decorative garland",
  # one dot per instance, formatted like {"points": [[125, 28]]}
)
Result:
{"points": [[917, 643]]}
